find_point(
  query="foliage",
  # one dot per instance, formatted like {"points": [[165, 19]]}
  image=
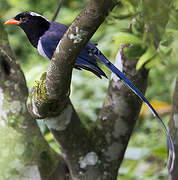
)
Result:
{"points": [[89, 92], [146, 29]]}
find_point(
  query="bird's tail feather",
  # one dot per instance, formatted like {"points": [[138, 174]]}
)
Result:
{"points": [[171, 156]]}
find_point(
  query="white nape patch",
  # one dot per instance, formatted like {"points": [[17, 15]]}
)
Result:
{"points": [[119, 65], [90, 159], [59, 123], [40, 49], [175, 118], [35, 14]]}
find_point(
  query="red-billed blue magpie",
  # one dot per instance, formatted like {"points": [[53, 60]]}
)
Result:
{"points": [[45, 36]]}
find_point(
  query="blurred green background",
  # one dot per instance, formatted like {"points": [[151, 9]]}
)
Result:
{"points": [[145, 157]]}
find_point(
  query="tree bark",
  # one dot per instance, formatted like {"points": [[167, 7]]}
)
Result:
{"points": [[23, 151], [119, 114], [173, 126]]}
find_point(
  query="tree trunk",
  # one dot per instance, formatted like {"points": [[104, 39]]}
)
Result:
{"points": [[24, 153], [173, 126]]}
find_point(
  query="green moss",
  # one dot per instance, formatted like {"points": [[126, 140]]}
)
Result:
{"points": [[40, 92]]}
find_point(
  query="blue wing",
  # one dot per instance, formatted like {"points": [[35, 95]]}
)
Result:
{"points": [[50, 40]]}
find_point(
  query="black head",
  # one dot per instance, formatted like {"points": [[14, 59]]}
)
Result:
{"points": [[33, 24]]}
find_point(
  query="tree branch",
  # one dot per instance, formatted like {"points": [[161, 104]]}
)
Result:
{"points": [[74, 140], [119, 114], [57, 10]]}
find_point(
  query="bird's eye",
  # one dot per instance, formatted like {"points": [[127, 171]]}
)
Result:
{"points": [[22, 19]]}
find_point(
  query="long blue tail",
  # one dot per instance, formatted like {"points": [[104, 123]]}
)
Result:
{"points": [[171, 156]]}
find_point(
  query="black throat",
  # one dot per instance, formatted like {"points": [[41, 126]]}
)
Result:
{"points": [[35, 29]]}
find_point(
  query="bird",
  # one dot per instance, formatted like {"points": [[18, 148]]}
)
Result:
{"points": [[45, 35]]}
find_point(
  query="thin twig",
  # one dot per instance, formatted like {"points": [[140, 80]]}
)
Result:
{"points": [[57, 10]]}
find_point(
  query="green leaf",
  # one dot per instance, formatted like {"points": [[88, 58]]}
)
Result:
{"points": [[126, 38], [150, 53], [153, 62]]}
